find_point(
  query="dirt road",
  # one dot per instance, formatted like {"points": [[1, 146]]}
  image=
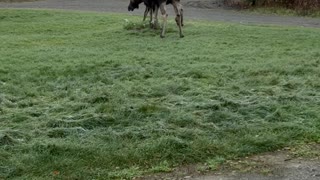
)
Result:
{"points": [[194, 9]]}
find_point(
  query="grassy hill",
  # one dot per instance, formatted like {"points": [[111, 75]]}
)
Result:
{"points": [[83, 97]]}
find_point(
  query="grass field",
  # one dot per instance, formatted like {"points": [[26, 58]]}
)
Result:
{"points": [[82, 97]]}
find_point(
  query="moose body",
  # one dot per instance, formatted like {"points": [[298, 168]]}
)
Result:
{"points": [[153, 6]]}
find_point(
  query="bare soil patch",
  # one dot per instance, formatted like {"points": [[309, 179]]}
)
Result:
{"points": [[299, 163]]}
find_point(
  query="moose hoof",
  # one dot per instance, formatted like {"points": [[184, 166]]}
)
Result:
{"points": [[162, 36], [181, 36], [155, 26]]}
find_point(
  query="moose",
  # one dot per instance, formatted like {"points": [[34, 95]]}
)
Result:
{"points": [[153, 7], [150, 8]]}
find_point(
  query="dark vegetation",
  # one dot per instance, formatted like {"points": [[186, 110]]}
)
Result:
{"points": [[302, 7]]}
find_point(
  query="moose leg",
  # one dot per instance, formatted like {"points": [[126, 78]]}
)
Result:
{"points": [[182, 18], [164, 16], [151, 17], [156, 23], [146, 12], [178, 10]]}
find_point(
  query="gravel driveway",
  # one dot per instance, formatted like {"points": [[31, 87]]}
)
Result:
{"points": [[194, 9]]}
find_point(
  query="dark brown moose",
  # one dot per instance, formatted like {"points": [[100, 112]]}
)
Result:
{"points": [[153, 7]]}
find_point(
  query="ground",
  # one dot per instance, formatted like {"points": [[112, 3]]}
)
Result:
{"points": [[293, 164], [302, 163], [194, 9]]}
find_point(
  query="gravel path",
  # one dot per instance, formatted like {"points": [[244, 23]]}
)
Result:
{"points": [[194, 9]]}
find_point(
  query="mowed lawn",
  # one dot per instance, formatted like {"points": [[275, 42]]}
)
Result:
{"points": [[82, 97]]}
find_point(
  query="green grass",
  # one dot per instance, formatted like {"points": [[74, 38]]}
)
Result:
{"points": [[82, 97]]}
